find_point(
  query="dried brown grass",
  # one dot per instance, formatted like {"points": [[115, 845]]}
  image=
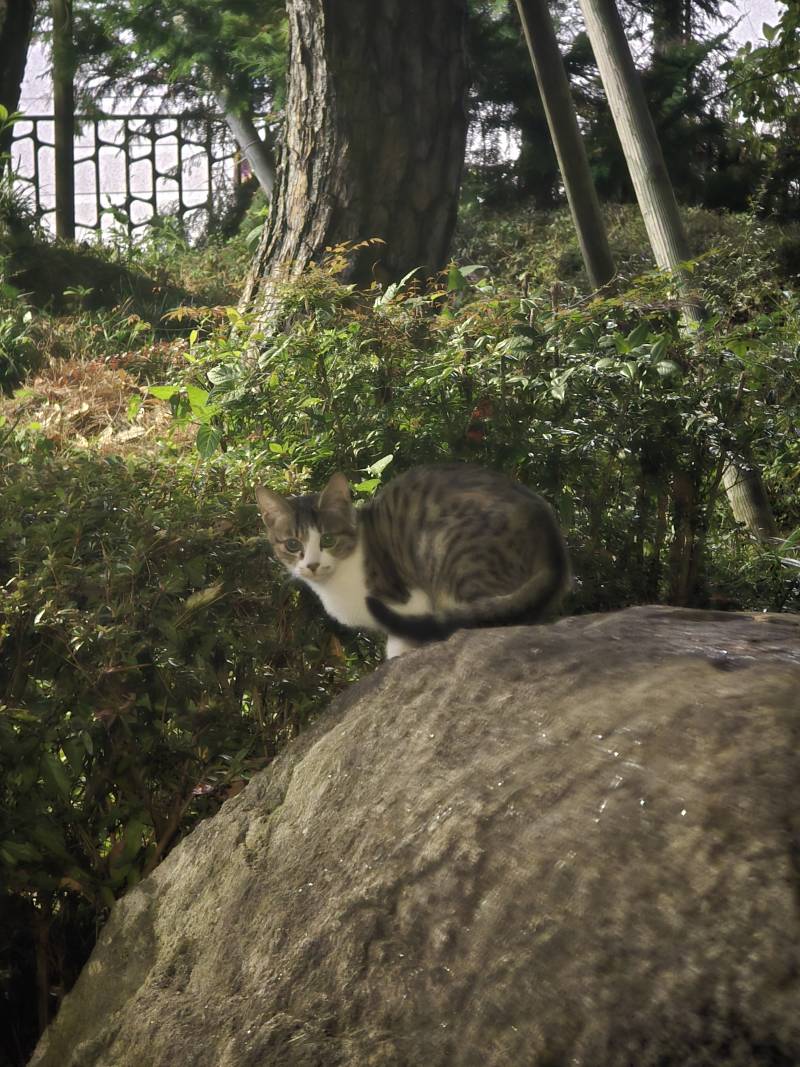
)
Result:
{"points": [[87, 402]]}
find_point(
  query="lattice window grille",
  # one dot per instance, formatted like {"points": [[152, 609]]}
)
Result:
{"points": [[130, 168]]}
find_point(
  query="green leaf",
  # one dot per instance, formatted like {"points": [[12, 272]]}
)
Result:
{"points": [[208, 440], [198, 398], [203, 597], [638, 334], [48, 836], [659, 348], [221, 373], [455, 280], [379, 466], [668, 367], [21, 851], [558, 387], [621, 344], [53, 770], [739, 348], [132, 841], [162, 392], [75, 753]]}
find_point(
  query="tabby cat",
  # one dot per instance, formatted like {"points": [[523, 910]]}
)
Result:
{"points": [[439, 548]]}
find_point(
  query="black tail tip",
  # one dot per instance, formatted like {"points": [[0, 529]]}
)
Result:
{"points": [[415, 627]]}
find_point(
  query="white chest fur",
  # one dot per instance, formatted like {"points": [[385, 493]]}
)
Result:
{"points": [[344, 593]]}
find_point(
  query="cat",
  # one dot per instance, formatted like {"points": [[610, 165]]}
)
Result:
{"points": [[439, 548]]}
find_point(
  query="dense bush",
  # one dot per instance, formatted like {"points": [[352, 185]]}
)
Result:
{"points": [[150, 658], [537, 247], [619, 415]]}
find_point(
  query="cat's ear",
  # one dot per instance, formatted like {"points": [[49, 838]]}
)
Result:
{"points": [[271, 505], [336, 494]]}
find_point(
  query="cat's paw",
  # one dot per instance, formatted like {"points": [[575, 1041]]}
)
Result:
{"points": [[396, 646]]}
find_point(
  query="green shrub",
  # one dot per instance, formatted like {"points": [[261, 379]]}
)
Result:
{"points": [[151, 657], [619, 416], [18, 350]]}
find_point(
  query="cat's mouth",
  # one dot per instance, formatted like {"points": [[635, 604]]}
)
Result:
{"points": [[315, 576]]}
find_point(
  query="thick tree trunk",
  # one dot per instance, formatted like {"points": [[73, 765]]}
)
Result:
{"points": [[16, 25], [374, 143]]}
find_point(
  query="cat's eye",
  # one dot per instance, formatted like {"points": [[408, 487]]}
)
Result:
{"points": [[327, 541], [293, 545]]}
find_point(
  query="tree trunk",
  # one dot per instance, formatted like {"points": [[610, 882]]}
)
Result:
{"points": [[670, 22], [659, 208], [41, 933], [687, 543], [563, 124], [64, 118], [374, 140], [637, 134], [16, 25], [256, 151], [748, 499]]}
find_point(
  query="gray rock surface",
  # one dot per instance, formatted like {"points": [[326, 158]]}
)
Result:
{"points": [[561, 845]]}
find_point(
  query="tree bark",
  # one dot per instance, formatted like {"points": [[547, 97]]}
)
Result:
{"points": [[567, 141], [374, 140], [748, 499], [16, 26], [659, 209]]}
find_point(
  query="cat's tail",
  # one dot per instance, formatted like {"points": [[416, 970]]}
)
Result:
{"points": [[527, 604]]}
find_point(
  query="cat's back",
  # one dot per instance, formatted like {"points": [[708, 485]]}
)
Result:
{"points": [[479, 546], [452, 491]]}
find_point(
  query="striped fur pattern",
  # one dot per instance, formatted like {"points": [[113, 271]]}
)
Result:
{"points": [[441, 547]]}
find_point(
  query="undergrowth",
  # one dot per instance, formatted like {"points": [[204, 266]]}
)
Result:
{"points": [[152, 656]]}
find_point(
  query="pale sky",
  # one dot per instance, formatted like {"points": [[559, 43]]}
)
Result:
{"points": [[753, 14]]}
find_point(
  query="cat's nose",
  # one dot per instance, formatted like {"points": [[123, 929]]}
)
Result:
{"points": [[312, 566]]}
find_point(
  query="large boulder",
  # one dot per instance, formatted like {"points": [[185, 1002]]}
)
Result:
{"points": [[558, 845]]}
